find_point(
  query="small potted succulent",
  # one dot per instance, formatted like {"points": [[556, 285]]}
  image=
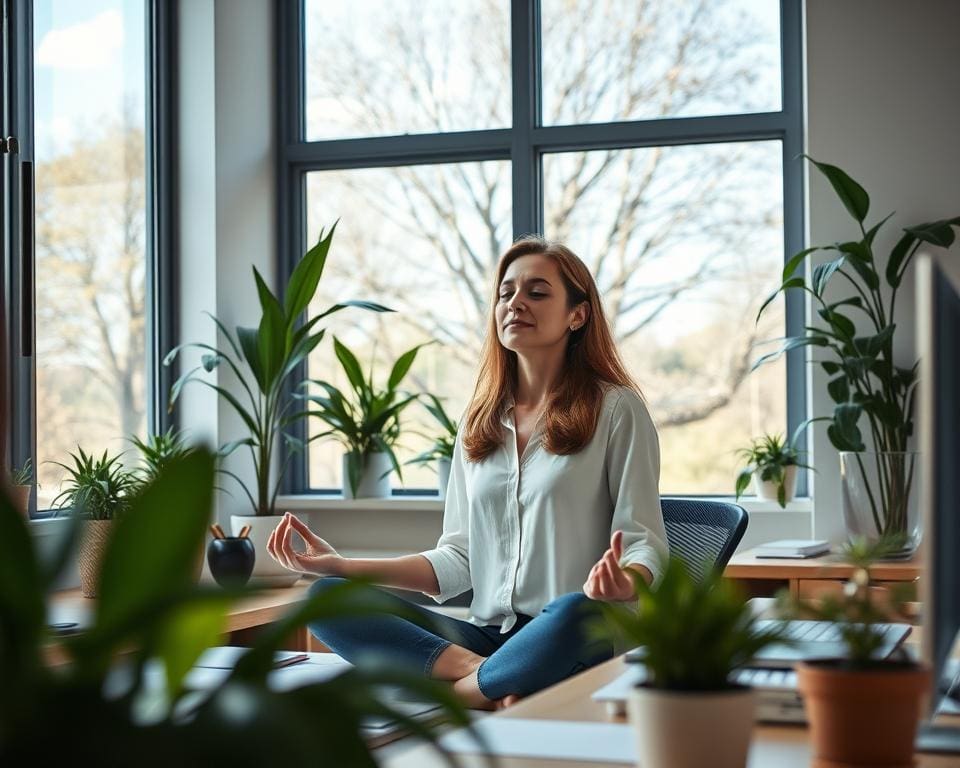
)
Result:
{"points": [[772, 463], [862, 710], [692, 634], [366, 423], [21, 482], [98, 491], [441, 452]]}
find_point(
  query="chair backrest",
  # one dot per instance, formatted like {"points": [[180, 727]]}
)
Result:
{"points": [[703, 533]]}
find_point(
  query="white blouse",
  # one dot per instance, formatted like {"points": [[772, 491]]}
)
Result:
{"points": [[522, 533]]}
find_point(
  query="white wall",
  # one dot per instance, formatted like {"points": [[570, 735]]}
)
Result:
{"points": [[883, 77], [227, 220]]}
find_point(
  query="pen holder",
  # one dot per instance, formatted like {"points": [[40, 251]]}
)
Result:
{"points": [[231, 560]]}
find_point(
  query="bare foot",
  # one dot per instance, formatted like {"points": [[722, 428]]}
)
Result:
{"points": [[507, 701], [469, 692]]}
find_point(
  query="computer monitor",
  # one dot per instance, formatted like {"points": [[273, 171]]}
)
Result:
{"points": [[938, 342]]}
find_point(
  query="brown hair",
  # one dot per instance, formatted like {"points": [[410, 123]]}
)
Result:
{"points": [[592, 361]]}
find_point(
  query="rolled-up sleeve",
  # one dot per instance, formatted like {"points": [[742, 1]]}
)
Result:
{"points": [[450, 558], [633, 476]]}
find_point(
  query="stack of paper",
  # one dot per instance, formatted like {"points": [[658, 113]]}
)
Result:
{"points": [[796, 548]]}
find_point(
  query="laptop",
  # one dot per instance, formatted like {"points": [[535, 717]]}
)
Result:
{"points": [[771, 672]]}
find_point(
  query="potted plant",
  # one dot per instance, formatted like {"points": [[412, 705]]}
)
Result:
{"points": [[772, 463], [856, 339], [862, 711], [367, 423], [156, 453], [149, 618], [267, 362], [97, 492], [691, 635], [21, 481], [441, 452]]}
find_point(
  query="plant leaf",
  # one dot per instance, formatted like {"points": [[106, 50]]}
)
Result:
{"points": [[854, 197], [303, 282]]}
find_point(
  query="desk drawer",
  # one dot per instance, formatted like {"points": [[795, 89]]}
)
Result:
{"points": [[817, 589]]}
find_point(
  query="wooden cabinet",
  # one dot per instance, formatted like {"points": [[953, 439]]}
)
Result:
{"points": [[818, 577]]}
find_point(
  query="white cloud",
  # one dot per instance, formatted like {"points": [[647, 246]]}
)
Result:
{"points": [[87, 45]]}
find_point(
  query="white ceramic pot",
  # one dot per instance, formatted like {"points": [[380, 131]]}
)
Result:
{"points": [[443, 476], [767, 490], [677, 729], [267, 572], [374, 478]]}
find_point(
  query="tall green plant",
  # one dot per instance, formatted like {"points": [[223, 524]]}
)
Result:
{"points": [[857, 340], [266, 361], [152, 616], [368, 421]]}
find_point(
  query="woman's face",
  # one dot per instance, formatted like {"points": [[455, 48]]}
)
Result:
{"points": [[532, 309]]}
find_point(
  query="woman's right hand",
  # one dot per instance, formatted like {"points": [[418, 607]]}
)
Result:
{"points": [[318, 557]]}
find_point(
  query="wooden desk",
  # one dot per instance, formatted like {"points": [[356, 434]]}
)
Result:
{"points": [[813, 577], [780, 746]]}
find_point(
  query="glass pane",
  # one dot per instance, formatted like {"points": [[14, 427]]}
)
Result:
{"points": [[422, 240], [90, 229], [629, 60], [685, 243], [390, 67]]}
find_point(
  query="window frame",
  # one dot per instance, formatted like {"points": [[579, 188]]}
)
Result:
{"points": [[17, 280], [523, 145]]}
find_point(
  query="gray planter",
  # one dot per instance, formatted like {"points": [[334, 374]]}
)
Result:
{"points": [[374, 478]]}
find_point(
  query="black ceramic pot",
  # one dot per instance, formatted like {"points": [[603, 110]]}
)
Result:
{"points": [[231, 560]]}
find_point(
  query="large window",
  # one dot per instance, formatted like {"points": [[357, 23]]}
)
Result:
{"points": [[656, 139], [87, 76]]}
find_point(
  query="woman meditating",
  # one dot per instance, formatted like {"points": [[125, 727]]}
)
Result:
{"points": [[552, 500]]}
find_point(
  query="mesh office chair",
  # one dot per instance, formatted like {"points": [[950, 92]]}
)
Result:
{"points": [[702, 533]]}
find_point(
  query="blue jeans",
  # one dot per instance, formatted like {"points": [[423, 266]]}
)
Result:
{"points": [[536, 653]]}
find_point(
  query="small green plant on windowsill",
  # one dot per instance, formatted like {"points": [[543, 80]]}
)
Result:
{"points": [[367, 421], [23, 475], [158, 451], [773, 463], [443, 443], [96, 488]]}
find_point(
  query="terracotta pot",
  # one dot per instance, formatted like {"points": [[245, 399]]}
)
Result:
{"points": [[861, 717], [692, 729], [21, 498], [94, 535]]}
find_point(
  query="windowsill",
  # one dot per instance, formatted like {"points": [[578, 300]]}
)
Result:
{"points": [[309, 502]]}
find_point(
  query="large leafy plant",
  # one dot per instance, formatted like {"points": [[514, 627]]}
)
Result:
{"points": [[96, 488], [692, 633], [105, 705], [266, 361], [368, 420], [856, 339]]}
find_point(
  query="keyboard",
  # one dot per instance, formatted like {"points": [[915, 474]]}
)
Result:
{"points": [[820, 639]]}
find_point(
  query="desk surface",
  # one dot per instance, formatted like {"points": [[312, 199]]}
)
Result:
{"points": [[781, 746], [746, 565]]}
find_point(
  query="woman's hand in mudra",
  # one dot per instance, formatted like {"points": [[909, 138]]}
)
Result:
{"points": [[318, 557], [607, 580]]}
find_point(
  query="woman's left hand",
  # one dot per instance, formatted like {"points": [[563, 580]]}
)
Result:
{"points": [[607, 580]]}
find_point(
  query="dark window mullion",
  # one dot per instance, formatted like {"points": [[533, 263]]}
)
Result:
{"points": [[524, 17], [661, 132], [791, 35]]}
